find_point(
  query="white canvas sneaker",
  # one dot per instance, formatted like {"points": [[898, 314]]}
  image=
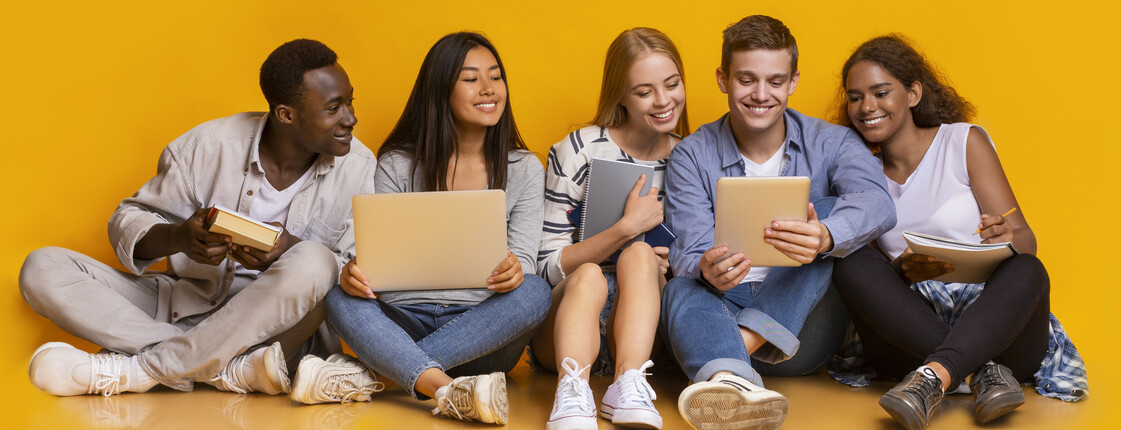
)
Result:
{"points": [[729, 401], [63, 370], [262, 370], [474, 398], [629, 401], [335, 380], [573, 407]]}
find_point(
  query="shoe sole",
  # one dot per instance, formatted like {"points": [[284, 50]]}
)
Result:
{"points": [[33, 364], [633, 418], [300, 391], [998, 406], [718, 408], [277, 369], [573, 423], [492, 394], [896, 408]]}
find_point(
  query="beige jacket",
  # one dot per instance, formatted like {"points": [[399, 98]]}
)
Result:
{"points": [[214, 164]]}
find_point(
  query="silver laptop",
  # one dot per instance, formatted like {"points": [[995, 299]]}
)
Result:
{"points": [[429, 240]]}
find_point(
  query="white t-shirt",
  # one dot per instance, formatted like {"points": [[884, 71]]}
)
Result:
{"points": [[271, 205], [771, 167]]}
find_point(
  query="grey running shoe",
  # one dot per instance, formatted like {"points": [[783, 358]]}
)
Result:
{"points": [[912, 401], [998, 392], [474, 398], [335, 380], [730, 402]]}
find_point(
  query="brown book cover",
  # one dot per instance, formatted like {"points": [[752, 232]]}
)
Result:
{"points": [[241, 229]]}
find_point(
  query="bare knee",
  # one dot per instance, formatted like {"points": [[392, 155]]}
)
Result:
{"points": [[638, 254], [586, 281]]}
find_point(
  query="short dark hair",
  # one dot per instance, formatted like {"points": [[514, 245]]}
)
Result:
{"points": [[757, 32], [282, 74]]}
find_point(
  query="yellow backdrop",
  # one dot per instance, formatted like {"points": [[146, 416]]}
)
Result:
{"points": [[94, 92]]}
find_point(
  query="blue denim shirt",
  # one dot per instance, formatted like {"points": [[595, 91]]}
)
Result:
{"points": [[847, 187]]}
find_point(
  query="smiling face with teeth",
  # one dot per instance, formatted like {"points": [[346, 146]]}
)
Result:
{"points": [[655, 94], [759, 82], [879, 105], [479, 95]]}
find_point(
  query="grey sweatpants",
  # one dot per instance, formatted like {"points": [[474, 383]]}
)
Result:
{"points": [[131, 314]]}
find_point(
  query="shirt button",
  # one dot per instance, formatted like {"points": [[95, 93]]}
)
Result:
{"points": [[229, 268], [250, 192], [175, 314], [214, 303]]}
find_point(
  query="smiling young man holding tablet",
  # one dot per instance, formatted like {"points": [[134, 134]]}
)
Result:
{"points": [[720, 313]]}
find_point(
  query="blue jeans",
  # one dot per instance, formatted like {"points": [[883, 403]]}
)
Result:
{"points": [[401, 342], [702, 326]]}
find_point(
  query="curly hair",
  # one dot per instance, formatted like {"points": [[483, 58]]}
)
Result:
{"points": [[282, 74], [940, 103]]}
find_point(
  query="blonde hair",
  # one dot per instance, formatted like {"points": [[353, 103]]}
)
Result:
{"points": [[627, 48]]}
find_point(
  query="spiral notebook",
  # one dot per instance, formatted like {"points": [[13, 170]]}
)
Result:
{"points": [[609, 184], [973, 262]]}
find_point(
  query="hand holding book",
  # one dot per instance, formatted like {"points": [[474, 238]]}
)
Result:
{"points": [[919, 267], [194, 239], [256, 259]]}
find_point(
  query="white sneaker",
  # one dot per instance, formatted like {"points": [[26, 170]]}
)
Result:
{"points": [[629, 401], [262, 370], [63, 370], [336, 380], [729, 401], [474, 398], [573, 407]]}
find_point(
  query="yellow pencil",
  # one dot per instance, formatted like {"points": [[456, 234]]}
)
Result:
{"points": [[1005, 215]]}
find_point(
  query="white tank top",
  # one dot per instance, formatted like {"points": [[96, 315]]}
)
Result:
{"points": [[937, 198]]}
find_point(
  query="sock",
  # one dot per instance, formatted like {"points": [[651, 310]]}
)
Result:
{"points": [[929, 373]]}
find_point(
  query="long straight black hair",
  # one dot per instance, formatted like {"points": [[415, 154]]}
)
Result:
{"points": [[426, 129]]}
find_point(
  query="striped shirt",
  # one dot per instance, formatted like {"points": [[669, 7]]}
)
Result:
{"points": [[566, 177]]}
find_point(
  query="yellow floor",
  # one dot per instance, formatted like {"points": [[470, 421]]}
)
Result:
{"points": [[816, 402]]}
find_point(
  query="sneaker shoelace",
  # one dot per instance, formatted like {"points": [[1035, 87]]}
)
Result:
{"points": [[991, 377], [458, 396], [108, 374], [925, 389], [230, 379], [345, 387], [572, 391], [635, 389]]}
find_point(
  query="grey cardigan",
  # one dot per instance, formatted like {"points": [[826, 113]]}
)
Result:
{"points": [[525, 196]]}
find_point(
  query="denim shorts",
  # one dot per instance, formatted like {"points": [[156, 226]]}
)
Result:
{"points": [[604, 364]]}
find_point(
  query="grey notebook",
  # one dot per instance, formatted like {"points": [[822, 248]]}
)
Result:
{"points": [[609, 183]]}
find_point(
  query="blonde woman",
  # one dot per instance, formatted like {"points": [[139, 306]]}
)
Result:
{"points": [[604, 316]]}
